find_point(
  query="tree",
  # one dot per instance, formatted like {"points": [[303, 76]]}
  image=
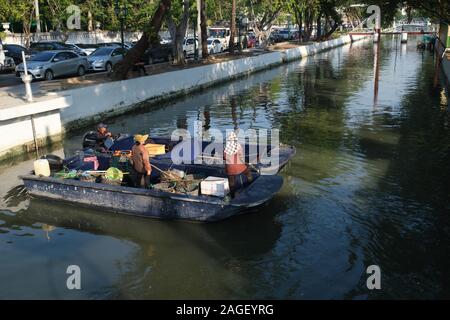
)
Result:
{"points": [[149, 38], [203, 29], [19, 10], [438, 10], [177, 28], [232, 27], [262, 14]]}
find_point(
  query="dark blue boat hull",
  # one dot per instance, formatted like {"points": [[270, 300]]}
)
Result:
{"points": [[152, 203]]}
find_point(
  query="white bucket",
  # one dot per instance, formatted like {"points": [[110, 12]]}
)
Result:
{"points": [[42, 168]]}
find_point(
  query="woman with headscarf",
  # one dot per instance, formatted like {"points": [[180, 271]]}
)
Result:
{"points": [[239, 175], [141, 161]]}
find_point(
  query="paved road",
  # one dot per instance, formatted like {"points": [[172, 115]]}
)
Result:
{"points": [[9, 79]]}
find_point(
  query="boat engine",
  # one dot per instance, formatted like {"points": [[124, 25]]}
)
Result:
{"points": [[89, 140]]}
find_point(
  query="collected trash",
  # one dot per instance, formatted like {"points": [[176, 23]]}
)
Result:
{"points": [[72, 174]]}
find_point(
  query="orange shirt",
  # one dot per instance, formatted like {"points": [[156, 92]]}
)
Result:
{"points": [[233, 164], [140, 157]]}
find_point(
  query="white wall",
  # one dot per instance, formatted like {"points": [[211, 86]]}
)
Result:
{"points": [[303, 51], [15, 122], [76, 37]]}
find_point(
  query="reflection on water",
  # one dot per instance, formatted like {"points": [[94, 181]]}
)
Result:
{"points": [[369, 185]]}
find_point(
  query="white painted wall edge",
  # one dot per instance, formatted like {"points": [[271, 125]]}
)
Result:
{"points": [[35, 107]]}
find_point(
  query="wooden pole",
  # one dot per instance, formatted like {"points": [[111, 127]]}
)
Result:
{"points": [[34, 136]]}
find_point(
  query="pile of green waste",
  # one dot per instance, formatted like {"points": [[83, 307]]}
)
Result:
{"points": [[64, 174], [112, 175]]}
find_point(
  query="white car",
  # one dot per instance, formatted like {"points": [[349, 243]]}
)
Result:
{"points": [[189, 47], [81, 47], [214, 45]]}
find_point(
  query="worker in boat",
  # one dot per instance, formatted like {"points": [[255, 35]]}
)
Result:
{"points": [[100, 140], [140, 160], [103, 138], [239, 174]]}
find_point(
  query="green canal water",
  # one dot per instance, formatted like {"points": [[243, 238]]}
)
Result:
{"points": [[369, 185]]}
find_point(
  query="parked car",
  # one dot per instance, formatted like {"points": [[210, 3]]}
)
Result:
{"points": [[54, 45], [163, 52], [189, 46], [85, 48], [126, 45], [275, 37], [50, 64], [284, 34], [104, 58], [165, 40], [214, 45], [15, 52], [7, 64]]}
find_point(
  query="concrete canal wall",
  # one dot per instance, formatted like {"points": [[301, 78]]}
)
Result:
{"points": [[304, 51], [78, 107], [446, 69], [21, 124]]}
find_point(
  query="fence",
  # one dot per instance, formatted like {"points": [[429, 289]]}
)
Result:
{"points": [[93, 37]]}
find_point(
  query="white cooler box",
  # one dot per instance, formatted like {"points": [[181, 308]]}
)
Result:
{"points": [[215, 186]]}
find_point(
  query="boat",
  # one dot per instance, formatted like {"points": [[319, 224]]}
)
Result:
{"points": [[156, 202]]}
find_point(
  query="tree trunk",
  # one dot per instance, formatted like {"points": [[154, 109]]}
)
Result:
{"points": [[232, 27], [308, 28], [203, 29], [148, 38], [319, 26], [329, 33], [299, 20], [90, 27], [178, 39], [178, 32]]}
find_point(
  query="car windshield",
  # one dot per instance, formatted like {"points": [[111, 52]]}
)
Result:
{"points": [[102, 52], [42, 56], [210, 41], [218, 33]]}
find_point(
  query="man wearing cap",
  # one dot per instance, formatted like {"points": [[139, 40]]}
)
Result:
{"points": [[100, 137], [141, 161]]}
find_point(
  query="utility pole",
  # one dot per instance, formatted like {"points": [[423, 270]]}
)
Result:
{"points": [[38, 20], [199, 28]]}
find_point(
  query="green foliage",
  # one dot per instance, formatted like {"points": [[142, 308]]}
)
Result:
{"points": [[265, 12]]}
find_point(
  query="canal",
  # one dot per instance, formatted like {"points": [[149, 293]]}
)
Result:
{"points": [[369, 185]]}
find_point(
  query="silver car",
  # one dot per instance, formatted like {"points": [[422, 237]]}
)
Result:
{"points": [[50, 64], [104, 58]]}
